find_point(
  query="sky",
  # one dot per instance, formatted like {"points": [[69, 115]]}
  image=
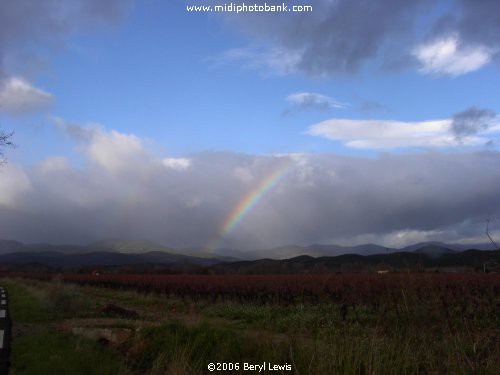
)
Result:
{"points": [[354, 122]]}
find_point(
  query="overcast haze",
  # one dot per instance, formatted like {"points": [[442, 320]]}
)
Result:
{"points": [[141, 120]]}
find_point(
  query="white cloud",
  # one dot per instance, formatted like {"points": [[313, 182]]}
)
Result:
{"points": [[114, 151], [54, 164], [313, 101], [243, 174], [178, 164], [450, 57], [18, 96], [14, 183], [276, 61], [382, 134]]}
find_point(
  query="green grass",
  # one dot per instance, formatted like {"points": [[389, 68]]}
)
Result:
{"points": [[24, 307], [35, 302], [40, 348], [174, 346], [52, 352], [322, 338]]}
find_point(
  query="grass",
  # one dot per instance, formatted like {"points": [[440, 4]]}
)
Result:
{"points": [[193, 348], [24, 307], [39, 348], [432, 336], [52, 352]]}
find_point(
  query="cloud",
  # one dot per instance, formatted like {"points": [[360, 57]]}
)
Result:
{"points": [[479, 23], [467, 128], [18, 97], [111, 150], [178, 164], [75, 131], [342, 37], [472, 121], [380, 134], [338, 37], [275, 60], [13, 185], [243, 174], [369, 106], [114, 151], [30, 30], [54, 164], [306, 101], [123, 191], [449, 57]]}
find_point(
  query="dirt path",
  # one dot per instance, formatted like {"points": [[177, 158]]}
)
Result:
{"points": [[156, 314]]}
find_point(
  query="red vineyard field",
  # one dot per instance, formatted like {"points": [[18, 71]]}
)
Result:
{"points": [[289, 289]]}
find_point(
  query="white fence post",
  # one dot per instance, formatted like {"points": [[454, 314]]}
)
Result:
{"points": [[5, 333]]}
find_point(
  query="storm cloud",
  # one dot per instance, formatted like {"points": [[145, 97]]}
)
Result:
{"points": [[124, 191], [342, 36], [48, 23], [31, 31], [472, 121]]}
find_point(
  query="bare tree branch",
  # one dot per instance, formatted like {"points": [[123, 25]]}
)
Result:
{"points": [[5, 141]]}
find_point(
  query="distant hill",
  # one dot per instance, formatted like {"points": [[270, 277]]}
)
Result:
{"points": [[77, 257], [131, 246], [317, 250], [287, 251], [133, 252], [434, 251], [451, 246], [102, 253], [365, 249], [291, 251], [107, 247], [423, 258], [60, 260], [7, 246], [229, 255]]}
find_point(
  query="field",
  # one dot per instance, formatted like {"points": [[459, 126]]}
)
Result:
{"points": [[309, 324]]}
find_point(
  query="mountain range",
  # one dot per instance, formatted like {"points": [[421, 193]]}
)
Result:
{"points": [[315, 258], [316, 250]]}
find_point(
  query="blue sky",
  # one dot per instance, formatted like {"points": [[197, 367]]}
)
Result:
{"points": [[152, 78], [155, 74]]}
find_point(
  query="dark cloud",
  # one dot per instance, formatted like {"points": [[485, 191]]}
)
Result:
{"points": [[340, 37], [325, 197], [471, 121], [491, 143], [350, 33], [479, 22], [27, 26]]}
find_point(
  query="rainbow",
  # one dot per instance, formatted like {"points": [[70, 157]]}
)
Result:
{"points": [[249, 201]]}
